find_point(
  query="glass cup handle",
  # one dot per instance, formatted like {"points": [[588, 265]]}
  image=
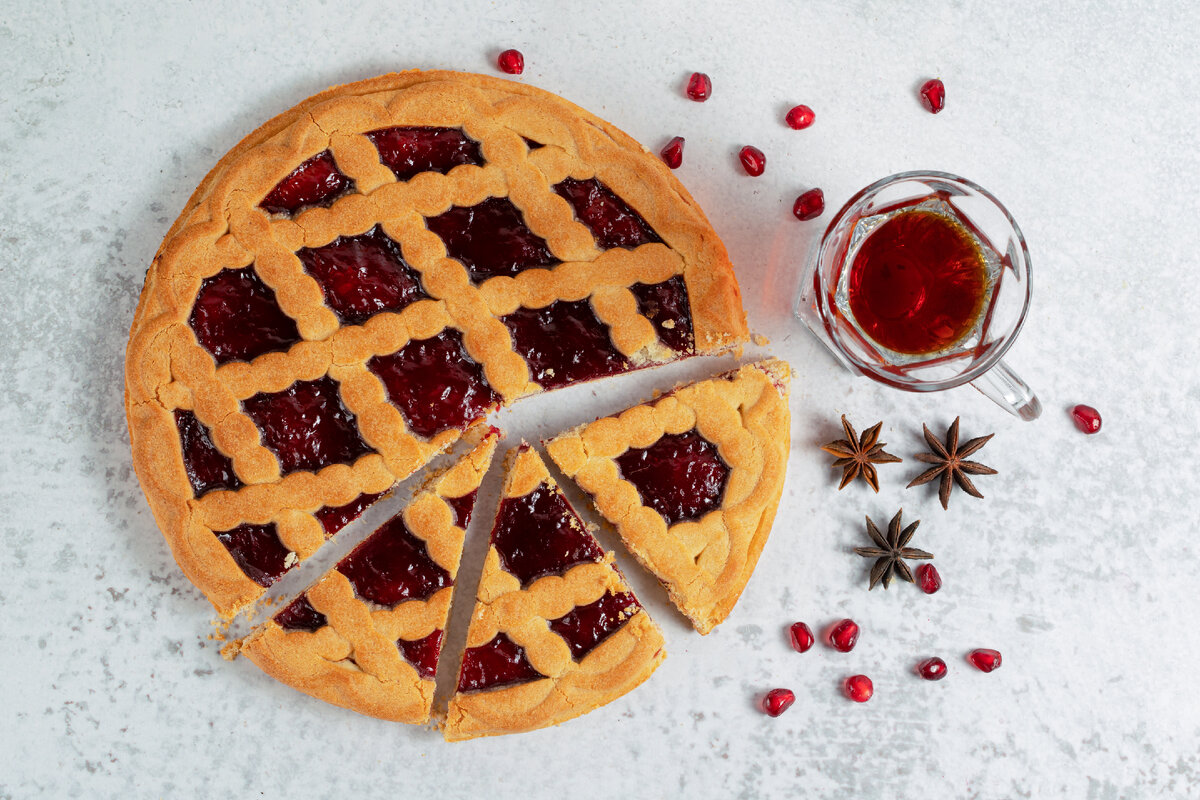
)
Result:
{"points": [[1006, 389]]}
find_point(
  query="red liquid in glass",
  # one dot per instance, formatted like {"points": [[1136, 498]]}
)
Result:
{"points": [[918, 283]]}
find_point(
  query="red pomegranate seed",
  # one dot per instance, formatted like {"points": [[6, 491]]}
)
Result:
{"points": [[932, 669], [809, 205], [844, 636], [800, 118], [672, 154], [928, 578], [512, 62], [699, 87], [985, 660], [933, 96], [1087, 419], [859, 688], [778, 701], [802, 637], [753, 160]]}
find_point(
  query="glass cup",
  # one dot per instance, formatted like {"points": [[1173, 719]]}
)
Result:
{"points": [[975, 358]]}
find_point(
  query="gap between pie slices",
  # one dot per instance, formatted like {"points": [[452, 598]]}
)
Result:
{"points": [[367, 636], [691, 481], [372, 272], [555, 632]]}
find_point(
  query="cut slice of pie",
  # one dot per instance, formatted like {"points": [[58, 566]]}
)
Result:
{"points": [[556, 632], [691, 481], [367, 635], [375, 270]]}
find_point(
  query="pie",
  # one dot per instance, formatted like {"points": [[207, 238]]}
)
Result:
{"points": [[555, 632], [691, 481], [370, 273], [367, 636]]}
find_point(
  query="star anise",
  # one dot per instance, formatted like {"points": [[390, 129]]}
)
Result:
{"points": [[950, 464], [857, 455], [890, 552]]}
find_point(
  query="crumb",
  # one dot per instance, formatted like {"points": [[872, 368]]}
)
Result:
{"points": [[230, 651], [760, 340]]}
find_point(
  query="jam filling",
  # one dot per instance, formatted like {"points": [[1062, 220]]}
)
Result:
{"points": [[316, 182], [462, 508], [299, 615], [334, 518], [306, 426], [236, 318], [585, 627], [500, 662], [422, 653], [681, 476], [207, 467], [258, 550], [564, 343], [491, 239], [392, 565], [611, 221], [363, 275], [531, 144], [666, 306], [435, 384], [410, 151], [539, 534]]}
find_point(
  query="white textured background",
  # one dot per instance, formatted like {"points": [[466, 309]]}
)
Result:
{"points": [[1080, 565]]}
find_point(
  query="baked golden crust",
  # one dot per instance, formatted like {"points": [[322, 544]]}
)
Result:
{"points": [[622, 661], [704, 564], [223, 227], [353, 660]]}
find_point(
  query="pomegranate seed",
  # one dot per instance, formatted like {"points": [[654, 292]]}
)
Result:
{"points": [[933, 96], [512, 62], [985, 660], [800, 118], [753, 160], [928, 578], [844, 636], [699, 87], [802, 637], [859, 688], [932, 669], [778, 701], [672, 154], [809, 205], [1087, 419]]}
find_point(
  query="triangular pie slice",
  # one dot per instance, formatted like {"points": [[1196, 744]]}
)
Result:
{"points": [[691, 481], [367, 635], [556, 632]]}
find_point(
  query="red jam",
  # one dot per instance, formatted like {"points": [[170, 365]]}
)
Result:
{"points": [[306, 426], [491, 239], [666, 306], [334, 518], [462, 508], [363, 275], [408, 152], [299, 615], [316, 182], [585, 627], [611, 221], [681, 476], [423, 653], [207, 467], [236, 318], [435, 384], [258, 550], [539, 534], [500, 662], [392, 565], [564, 343]]}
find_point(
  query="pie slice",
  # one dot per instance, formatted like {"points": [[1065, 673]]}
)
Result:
{"points": [[691, 481], [556, 632], [375, 270], [368, 634]]}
